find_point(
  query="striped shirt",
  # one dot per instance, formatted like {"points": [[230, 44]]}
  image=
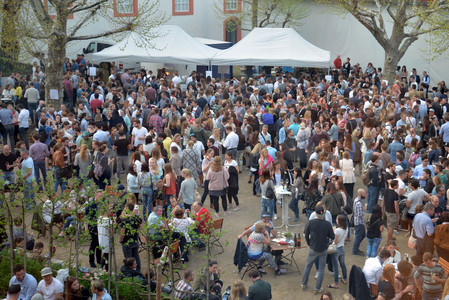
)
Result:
{"points": [[429, 285]]}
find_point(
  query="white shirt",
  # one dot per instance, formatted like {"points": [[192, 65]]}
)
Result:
{"points": [[100, 97], [131, 100], [176, 80], [199, 147], [231, 141], [142, 132], [372, 270], [48, 212], [23, 118], [101, 136], [327, 217], [49, 292]]}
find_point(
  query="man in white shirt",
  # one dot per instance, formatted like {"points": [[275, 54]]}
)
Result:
{"points": [[373, 267], [24, 114], [176, 79], [198, 146], [49, 287], [138, 134], [100, 95], [231, 142], [101, 135]]}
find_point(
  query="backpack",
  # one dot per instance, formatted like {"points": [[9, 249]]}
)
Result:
{"points": [[98, 170], [366, 178]]}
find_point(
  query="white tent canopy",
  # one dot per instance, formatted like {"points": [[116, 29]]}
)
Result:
{"points": [[173, 45], [274, 47]]}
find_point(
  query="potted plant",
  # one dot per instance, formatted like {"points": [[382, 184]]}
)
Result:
{"points": [[288, 236]]}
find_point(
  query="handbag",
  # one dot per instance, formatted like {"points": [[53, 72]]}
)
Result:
{"points": [[98, 170], [332, 249], [347, 208], [411, 241]]}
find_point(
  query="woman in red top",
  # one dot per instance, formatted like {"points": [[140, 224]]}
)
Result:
{"points": [[169, 182]]}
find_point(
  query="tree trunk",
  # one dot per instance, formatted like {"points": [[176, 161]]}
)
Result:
{"points": [[392, 59], [54, 69], [254, 13], [9, 40]]}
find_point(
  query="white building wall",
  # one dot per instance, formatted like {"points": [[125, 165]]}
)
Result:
{"points": [[339, 34]]}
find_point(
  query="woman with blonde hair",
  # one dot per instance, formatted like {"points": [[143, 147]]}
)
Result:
{"points": [[238, 291], [347, 169], [265, 161], [218, 178], [83, 161]]}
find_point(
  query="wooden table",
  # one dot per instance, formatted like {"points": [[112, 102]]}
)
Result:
{"points": [[288, 252]]}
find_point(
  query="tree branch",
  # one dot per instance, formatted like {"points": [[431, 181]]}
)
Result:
{"points": [[80, 7], [128, 27], [41, 14], [82, 22]]}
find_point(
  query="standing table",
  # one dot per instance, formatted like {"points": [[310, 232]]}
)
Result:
{"points": [[283, 194]]}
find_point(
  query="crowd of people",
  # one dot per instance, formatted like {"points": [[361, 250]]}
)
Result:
{"points": [[161, 143]]}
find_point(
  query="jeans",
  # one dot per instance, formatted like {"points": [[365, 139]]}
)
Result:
{"points": [[69, 221], [40, 165], [267, 207], [302, 158], [359, 235], [32, 108], [339, 257], [9, 176], [206, 191], [147, 201], [309, 212], [373, 245], [59, 180], [350, 189], [30, 202], [9, 132], [132, 251], [122, 163], [311, 257], [373, 195], [293, 205], [23, 131]]}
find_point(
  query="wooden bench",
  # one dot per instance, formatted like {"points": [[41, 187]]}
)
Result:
{"points": [[445, 264]]}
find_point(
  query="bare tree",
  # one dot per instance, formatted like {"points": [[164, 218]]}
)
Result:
{"points": [[261, 13], [410, 19], [46, 31]]}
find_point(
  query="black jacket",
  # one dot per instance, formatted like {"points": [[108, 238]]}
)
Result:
{"points": [[240, 255], [233, 180], [127, 272], [357, 284]]}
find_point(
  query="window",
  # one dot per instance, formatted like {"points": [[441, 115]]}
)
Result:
{"points": [[125, 8], [232, 6], [52, 11], [182, 7], [232, 31]]}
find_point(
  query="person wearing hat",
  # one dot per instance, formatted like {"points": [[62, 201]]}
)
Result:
{"points": [[49, 287], [86, 140], [318, 232], [272, 233]]}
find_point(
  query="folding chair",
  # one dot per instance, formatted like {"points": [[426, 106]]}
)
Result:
{"points": [[252, 265], [215, 238]]}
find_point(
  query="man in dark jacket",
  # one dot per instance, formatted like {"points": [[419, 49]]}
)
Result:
{"points": [[317, 235], [374, 183], [259, 290]]}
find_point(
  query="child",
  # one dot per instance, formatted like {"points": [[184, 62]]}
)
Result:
{"points": [[188, 188]]}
